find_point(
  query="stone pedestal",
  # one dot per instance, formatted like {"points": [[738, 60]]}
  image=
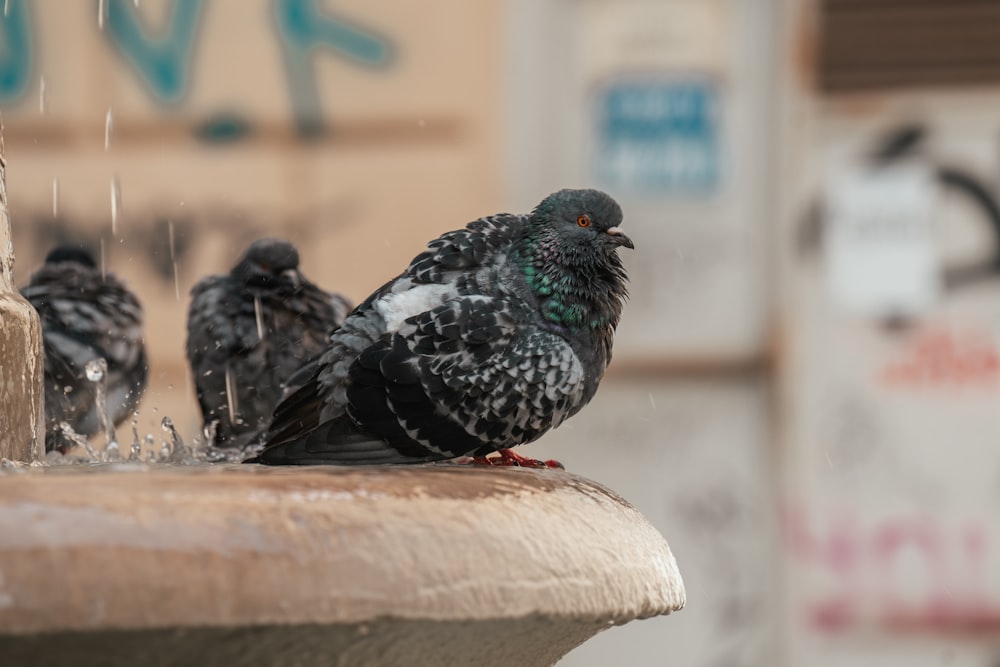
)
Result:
{"points": [[245, 565], [22, 423]]}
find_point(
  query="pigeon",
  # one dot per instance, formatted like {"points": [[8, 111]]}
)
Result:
{"points": [[248, 331], [493, 335], [86, 314]]}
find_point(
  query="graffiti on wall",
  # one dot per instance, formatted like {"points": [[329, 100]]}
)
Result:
{"points": [[905, 572], [163, 62]]}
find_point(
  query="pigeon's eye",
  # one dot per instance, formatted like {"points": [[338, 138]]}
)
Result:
{"points": [[583, 221]]}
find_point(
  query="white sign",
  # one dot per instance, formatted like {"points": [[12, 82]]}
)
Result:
{"points": [[880, 254]]}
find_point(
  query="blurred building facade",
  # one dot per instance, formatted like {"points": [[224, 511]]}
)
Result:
{"points": [[806, 379]]}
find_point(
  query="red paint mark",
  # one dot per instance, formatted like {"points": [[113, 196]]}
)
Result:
{"points": [[941, 357], [904, 573]]}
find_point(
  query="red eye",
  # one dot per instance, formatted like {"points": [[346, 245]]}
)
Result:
{"points": [[583, 221]]}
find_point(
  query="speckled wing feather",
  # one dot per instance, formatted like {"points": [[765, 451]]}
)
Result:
{"points": [[466, 373], [243, 344], [318, 392]]}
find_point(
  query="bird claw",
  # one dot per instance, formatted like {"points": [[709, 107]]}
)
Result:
{"points": [[509, 458]]}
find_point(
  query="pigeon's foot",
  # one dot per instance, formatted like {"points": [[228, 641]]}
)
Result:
{"points": [[509, 458]]}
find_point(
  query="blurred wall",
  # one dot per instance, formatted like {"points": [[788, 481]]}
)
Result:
{"points": [[168, 134], [890, 324]]}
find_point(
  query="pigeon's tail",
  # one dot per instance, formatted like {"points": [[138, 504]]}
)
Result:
{"points": [[336, 442]]}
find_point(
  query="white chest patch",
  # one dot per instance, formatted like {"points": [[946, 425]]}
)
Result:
{"points": [[395, 308]]}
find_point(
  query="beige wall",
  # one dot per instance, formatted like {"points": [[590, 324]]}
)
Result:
{"points": [[412, 151]]}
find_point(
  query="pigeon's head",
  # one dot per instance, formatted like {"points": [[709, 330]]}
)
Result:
{"points": [[269, 262], [70, 253], [583, 218]]}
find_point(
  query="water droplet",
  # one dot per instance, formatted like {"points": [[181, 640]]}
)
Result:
{"points": [[6, 7], [96, 369], [55, 197], [101, 13], [108, 123], [41, 95], [116, 204], [104, 264]]}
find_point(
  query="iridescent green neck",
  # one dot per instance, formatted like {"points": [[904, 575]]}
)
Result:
{"points": [[565, 290]]}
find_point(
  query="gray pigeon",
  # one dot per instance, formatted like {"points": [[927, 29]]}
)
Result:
{"points": [[85, 316], [495, 334], [248, 331]]}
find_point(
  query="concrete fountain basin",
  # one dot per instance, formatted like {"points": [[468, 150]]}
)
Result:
{"points": [[437, 565]]}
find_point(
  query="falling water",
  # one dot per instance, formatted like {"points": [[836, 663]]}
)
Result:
{"points": [[108, 123], [116, 204], [259, 317], [96, 371], [173, 259], [231, 396], [55, 197], [101, 13], [41, 95], [6, 7], [104, 270]]}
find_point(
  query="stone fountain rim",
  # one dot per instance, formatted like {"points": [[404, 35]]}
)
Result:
{"points": [[329, 545]]}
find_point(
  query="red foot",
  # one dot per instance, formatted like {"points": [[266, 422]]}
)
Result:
{"points": [[509, 458]]}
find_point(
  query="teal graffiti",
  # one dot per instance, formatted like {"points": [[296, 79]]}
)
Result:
{"points": [[304, 28], [15, 50], [163, 64]]}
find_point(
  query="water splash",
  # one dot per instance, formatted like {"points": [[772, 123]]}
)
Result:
{"points": [[96, 372], [70, 435], [135, 451], [179, 452], [116, 204], [108, 124], [42, 95], [149, 441], [259, 317], [55, 197]]}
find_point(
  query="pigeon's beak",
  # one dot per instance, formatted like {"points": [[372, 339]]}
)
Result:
{"points": [[293, 276], [618, 237]]}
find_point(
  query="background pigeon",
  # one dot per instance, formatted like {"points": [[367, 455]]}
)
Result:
{"points": [[86, 315], [492, 336], [248, 331]]}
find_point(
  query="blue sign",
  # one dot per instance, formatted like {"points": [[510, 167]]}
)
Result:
{"points": [[659, 136]]}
